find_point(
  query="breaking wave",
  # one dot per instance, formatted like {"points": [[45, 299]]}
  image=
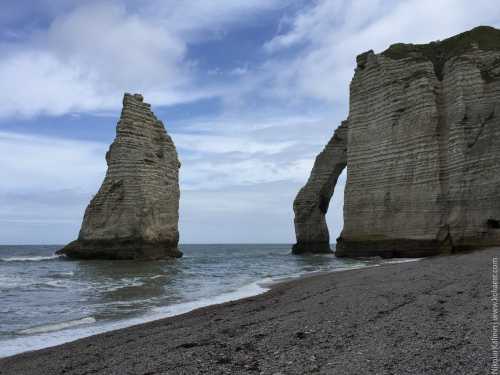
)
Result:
{"points": [[30, 258], [58, 326]]}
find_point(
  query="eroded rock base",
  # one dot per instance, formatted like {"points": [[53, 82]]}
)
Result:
{"points": [[120, 250], [312, 248], [394, 248]]}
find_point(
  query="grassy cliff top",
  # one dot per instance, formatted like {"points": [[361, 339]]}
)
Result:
{"points": [[485, 37]]}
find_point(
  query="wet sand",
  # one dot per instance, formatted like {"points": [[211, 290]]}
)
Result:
{"points": [[433, 316]]}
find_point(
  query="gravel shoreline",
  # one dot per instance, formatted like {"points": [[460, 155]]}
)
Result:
{"points": [[427, 317]]}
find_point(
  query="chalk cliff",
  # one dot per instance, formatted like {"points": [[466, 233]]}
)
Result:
{"points": [[423, 151], [134, 215]]}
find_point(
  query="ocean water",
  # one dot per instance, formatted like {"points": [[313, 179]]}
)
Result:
{"points": [[47, 300]]}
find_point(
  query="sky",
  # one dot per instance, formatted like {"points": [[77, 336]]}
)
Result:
{"points": [[250, 92]]}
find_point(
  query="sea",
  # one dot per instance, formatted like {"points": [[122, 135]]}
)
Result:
{"points": [[46, 300]]}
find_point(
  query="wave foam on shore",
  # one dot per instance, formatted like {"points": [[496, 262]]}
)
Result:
{"points": [[59, 333]]}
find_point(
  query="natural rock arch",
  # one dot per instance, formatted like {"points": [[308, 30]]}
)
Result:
{"points": [[312, 201], [423, 153]]}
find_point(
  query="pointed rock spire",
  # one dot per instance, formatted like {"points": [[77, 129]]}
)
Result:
{"points": [[135, 213]]}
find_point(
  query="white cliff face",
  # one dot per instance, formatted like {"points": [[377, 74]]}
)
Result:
{"points": [[423, 149], [135, 213]]}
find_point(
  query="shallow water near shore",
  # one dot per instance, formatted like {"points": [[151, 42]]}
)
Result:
{"points": [[47, 300]]}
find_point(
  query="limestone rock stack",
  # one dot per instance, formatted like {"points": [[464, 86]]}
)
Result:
{"points": [[135, 213], [423, 149]]}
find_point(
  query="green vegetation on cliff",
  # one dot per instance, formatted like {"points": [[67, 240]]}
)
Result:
{"points": [[485, 37]]}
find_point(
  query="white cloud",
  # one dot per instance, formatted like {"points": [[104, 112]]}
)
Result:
{"points": [[194, 18], [220, 144], [33, 163], [215, 174], [92, 53], [115, 48], [239, 71], [324, 39], [232, 152], [46, 184], [85, 61]]}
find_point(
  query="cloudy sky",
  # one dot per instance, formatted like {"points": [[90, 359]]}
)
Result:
{"points": [[249, 90]]}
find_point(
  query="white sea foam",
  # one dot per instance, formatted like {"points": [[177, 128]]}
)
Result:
{"points": [[53, 284], [58, 326], [156, 277], [30, 259], [403, 260], [14, 281], [121, 284]]}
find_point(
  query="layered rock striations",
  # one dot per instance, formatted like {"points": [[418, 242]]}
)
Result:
{"points": [[134, 215], [423, 149]]}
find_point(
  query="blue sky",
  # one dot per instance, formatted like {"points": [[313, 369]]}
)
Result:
{"points": [[249, 90]]}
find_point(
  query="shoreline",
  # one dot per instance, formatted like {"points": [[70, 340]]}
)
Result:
{"points": [[332, 317], [45, 339], [79, 332]]}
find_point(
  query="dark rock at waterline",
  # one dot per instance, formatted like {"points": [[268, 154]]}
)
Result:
{"points": [[312, 247], [120, 249]]}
